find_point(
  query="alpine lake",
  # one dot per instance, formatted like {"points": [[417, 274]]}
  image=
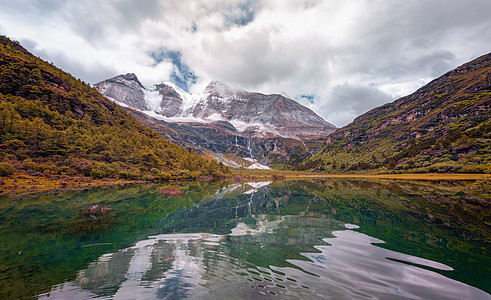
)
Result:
{"points": [[304, 239]]}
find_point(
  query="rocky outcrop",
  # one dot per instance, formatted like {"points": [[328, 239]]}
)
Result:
{"points": [[172, 102], [125, 89]]}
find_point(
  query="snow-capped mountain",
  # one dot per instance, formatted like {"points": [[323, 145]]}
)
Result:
{"points": [[249, 114]]}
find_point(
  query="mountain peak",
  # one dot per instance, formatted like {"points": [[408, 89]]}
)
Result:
{"points": [[252, 114], [216, 83], [130, 76], [217, 86], [125, 88]]}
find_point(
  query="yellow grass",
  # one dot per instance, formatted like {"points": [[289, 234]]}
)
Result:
{"points": [[21, 183], [430, 176], [424, 176]]}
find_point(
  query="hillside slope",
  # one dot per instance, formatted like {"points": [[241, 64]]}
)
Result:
{"points": [[54, 124], [442, 127]]}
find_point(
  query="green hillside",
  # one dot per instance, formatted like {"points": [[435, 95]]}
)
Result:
{"points": [[442, 127], [55, 124]]}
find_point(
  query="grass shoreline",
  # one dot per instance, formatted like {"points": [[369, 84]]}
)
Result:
{"points": [[408, 176], [21, 183], [25, 184], [416, 176]]}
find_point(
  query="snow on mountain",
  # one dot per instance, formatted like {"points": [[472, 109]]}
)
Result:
{"points": [[178, 119], [152, 98], [252, 114]]}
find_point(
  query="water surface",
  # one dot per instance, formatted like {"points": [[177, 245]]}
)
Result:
{"points": [[339, 239]]}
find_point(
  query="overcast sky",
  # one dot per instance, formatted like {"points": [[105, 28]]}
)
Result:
{"points": [[339, 57]]}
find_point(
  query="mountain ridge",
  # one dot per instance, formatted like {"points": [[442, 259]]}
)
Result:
{"points": [[442, 127], [253, 114]]}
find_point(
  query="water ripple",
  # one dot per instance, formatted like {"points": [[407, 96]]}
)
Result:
{"points": [[208, 266]]}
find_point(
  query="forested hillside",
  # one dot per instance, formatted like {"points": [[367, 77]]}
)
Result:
{"points": [[444, 126], [53, 123]]}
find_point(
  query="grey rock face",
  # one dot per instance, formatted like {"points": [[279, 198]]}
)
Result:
{"points": [[222, 137], [126, 89], [172, 102], [285, 116]]}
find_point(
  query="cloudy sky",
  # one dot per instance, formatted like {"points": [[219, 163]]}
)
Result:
{"points": [[339, 57]]}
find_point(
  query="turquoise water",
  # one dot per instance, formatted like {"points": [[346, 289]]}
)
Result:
{"points": [[340, 239]]}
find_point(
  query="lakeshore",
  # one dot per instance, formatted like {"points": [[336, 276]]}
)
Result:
{"points": [[21, 183]]}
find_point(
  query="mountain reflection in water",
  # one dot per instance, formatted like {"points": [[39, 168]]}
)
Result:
{"points": [[201, 266], [247, 241]]}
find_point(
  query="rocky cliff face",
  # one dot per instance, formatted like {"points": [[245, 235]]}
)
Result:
{"points": [[221, 119], [222, 138], [256, 114], [251, 114], [126, 89], [172, 103], [443, 126]]}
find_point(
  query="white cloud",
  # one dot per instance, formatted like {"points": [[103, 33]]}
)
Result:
{"points": [[340, 52], [400, 89]]}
